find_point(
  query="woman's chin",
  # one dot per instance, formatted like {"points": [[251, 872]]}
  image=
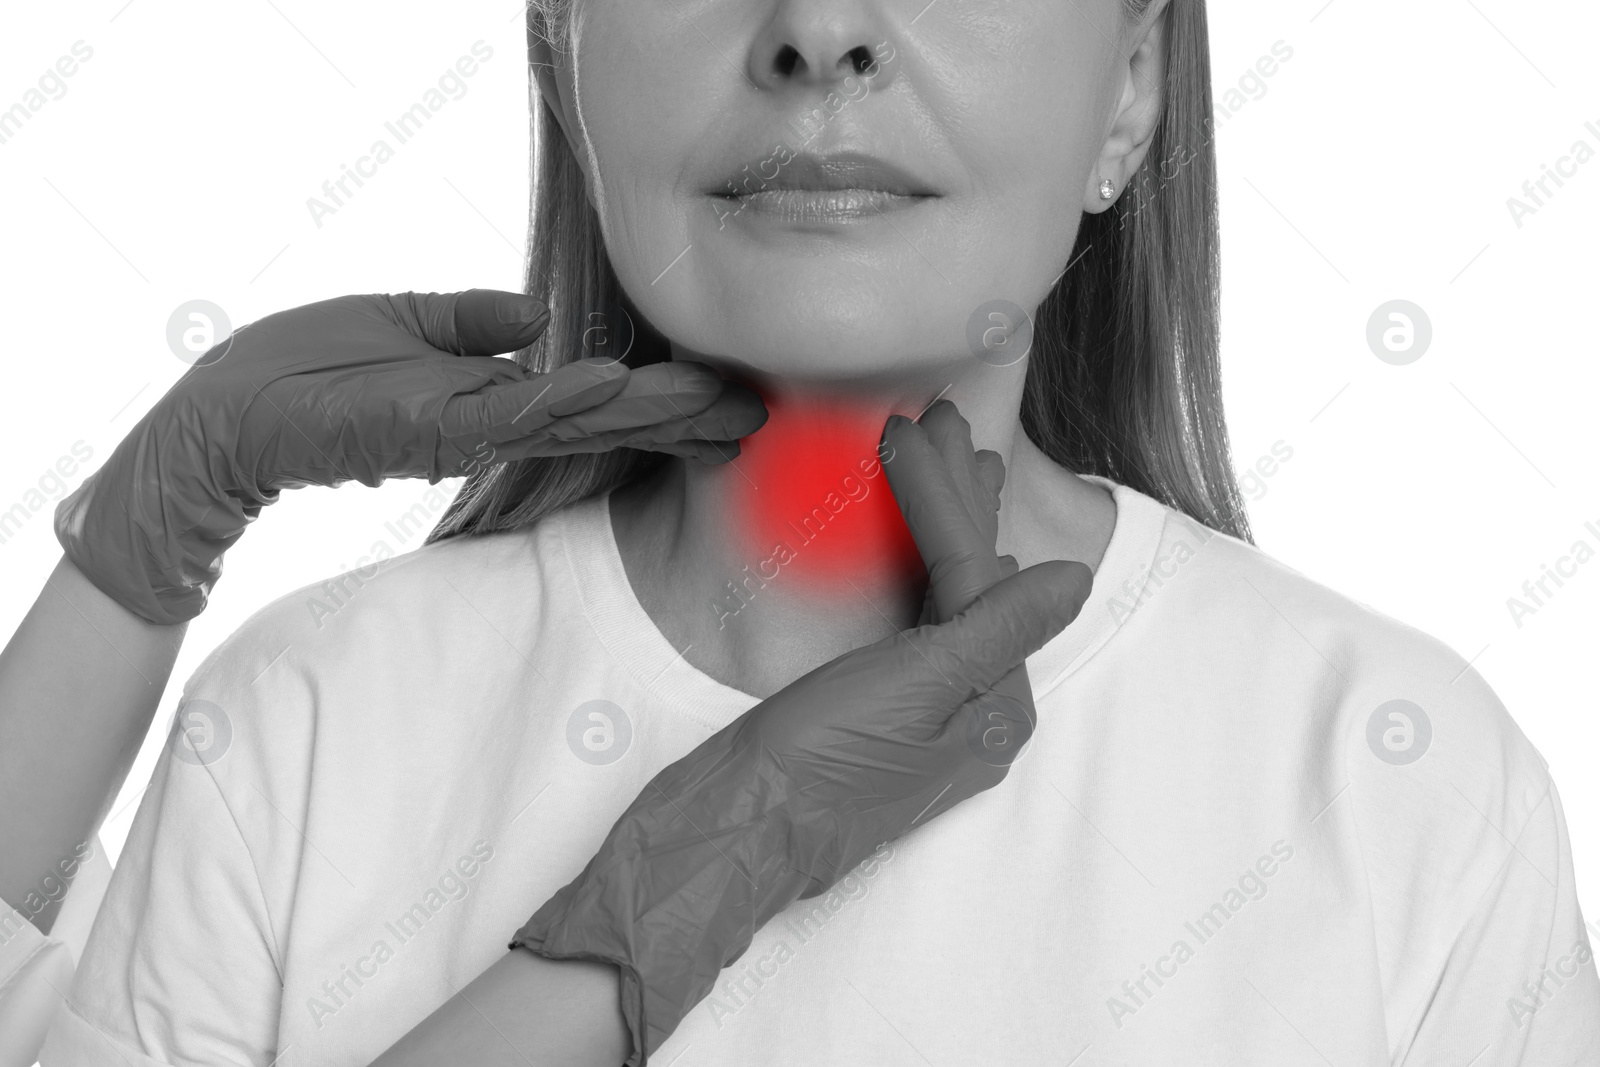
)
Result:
{"points": [[802, 365], [770, 337], [839, 325]]}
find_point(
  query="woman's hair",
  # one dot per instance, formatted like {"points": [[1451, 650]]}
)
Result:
{"points": [[1123, 379]]}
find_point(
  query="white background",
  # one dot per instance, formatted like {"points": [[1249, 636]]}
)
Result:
{"points": [[1375, 165]]}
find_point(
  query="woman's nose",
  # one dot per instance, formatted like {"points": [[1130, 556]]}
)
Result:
{"points": [[821, 43]]}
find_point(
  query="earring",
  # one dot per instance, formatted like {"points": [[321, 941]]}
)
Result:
{"points": [[1107, 190]]}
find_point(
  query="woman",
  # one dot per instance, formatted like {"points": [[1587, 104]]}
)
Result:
{"points": [[1236, 774]]}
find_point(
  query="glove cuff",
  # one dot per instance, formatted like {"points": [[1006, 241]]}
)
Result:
{"points": [[676, 892], [154, 550]]}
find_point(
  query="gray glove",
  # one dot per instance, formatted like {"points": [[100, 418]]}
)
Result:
{"points": [[362, 388]]}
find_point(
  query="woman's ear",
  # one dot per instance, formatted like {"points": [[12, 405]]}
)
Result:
{"points": [[552, 87], [1138, 113]]}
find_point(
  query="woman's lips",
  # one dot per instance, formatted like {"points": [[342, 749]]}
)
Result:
{"points": [[842, 187], [821, 205]]}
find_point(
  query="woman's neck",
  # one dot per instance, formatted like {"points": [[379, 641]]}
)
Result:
{"points": [[763, 568]]}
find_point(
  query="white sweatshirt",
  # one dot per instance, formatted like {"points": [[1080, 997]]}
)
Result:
{"points": [[1258, 824]]}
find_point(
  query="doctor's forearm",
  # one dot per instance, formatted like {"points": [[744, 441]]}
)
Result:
{"points": [[524, 1011], [79, 682]]}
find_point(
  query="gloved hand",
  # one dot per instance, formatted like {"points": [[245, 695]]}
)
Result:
{"points": [[953, 509], [793, 794], [362, 388]]}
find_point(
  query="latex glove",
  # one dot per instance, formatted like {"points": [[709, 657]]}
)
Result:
{"points": [[954, 509], [362, 388], [793, 794]]}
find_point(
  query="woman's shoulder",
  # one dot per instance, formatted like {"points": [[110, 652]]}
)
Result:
{"points": [[1338, 666], [1407, 718], [391, 605], [1231, 588], [1164, 571], [1386, 729]]}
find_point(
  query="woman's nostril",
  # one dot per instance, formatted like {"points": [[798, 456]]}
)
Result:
{"points": [[789, 61]]}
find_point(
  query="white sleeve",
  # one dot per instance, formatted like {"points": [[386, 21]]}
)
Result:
{"points": [[36, 969], [180, 969], [1519, 987]]}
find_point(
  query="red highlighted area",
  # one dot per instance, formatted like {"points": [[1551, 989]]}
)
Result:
{"points": [[820, 514]]}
